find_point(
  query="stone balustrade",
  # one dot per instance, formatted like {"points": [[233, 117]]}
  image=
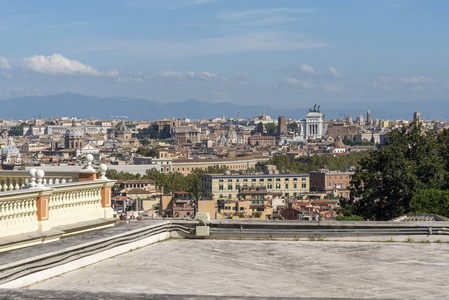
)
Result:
{"points": [[18, 212], [78, 202], [17, 179], [42, 206]]}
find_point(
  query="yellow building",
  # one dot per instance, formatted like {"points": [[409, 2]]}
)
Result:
{"points": [[384, 123], [226, 187]]}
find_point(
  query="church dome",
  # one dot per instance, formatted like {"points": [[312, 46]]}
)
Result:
{"points": [[10, 149], [74, 130], [122, 128], [339, 144]]}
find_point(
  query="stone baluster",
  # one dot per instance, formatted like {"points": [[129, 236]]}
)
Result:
{"points": [[17, 186], [32, 173], [90, 159], [23, 182], [40, 176], [10, 186], [103, 169]]}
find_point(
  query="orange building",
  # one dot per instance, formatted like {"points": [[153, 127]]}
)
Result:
{"points": [[336, 182]]}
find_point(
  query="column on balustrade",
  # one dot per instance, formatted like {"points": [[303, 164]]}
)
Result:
{"points": [[42, 205], [89, 173], [106, 199]]}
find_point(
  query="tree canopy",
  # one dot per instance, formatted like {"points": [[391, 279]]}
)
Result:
{"points": [[315, 162], [171, 182], [410, 162], [431, 201], [147, 152], [268, 129]]}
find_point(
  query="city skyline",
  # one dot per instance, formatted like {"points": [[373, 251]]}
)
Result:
{"points": [[287, 54]]}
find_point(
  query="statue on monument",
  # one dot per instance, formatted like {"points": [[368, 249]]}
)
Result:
{"points": [[314, 109]]}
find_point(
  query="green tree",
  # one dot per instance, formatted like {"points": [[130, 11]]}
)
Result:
{"points": [[431, 201], [384, 185], [17, 130], [271, 129], [315, 162], [147, 152], [292, 126], [259, 129], [151, 132]]}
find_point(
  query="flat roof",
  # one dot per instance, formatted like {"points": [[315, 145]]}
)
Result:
{"points": [[256, 175], [248, 268]]}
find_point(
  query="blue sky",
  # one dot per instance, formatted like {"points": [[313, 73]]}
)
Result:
{"points": [[277, 53]]}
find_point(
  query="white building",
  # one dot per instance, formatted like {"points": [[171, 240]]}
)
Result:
{"points": [[313, 126]]}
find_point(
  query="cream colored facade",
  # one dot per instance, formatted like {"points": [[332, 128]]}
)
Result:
{"points": [[226, 187]]}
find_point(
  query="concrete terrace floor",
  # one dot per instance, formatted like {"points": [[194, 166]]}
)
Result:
{"points": [[316, 269]]}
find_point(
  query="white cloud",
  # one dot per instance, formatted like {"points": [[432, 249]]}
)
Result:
{"points": [[301, 83], [189, 75], [234, 43], [4, 64], [417, 80], [333, 88], [199, 2], [57, 64], [414, 83], [258, 13], [334, 72], [307, 69]]}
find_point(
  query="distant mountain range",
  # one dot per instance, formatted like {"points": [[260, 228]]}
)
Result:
{"points": [[70, 104]]}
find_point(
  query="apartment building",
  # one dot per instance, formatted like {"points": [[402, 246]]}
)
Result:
{"points": [[227, 186], [336, 182]]}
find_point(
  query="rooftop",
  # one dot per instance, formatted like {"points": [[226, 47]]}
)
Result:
{"points": [[268, 269]]}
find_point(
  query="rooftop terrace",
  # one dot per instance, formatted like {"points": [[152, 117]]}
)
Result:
{"points": [[268, 269], [231, 266]]}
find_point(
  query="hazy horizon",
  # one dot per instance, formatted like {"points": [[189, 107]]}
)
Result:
{"points": [[280, 54]]}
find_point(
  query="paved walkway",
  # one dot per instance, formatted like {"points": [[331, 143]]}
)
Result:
{"points": [[270, 269]]}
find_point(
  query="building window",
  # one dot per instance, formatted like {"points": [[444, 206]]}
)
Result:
{"points": [[269, 186], [303, 179], [278, 186], [304, 185], [221, 180], [295, 185], [286, 186], [286, 179], [245, 180], [261, 179], [229, 187], [253, 180], [220, 188]]}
